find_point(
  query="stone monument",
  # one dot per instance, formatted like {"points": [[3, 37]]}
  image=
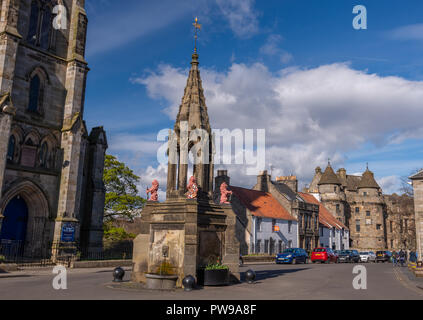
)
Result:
{"points": [[189, 230]]}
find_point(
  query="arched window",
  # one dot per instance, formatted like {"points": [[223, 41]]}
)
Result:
{"points": [[34, 94], [43, 155], [46, 28], [33, 22], [11, 148]]}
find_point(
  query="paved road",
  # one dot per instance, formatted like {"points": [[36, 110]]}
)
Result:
{"points": [[274, 282]]}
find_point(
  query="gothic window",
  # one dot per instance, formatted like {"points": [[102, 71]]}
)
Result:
{"points": [[40, 25], [33, 22], [11, 148], [35, 94], [46, 24], [43, 155]]}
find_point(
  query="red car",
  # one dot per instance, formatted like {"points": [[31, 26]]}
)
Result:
{"points": [[324, 255]]}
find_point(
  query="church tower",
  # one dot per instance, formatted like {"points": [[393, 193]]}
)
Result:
{"points": [[44, 142]]}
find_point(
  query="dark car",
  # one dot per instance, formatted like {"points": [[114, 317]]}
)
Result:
{"points": [[348, 256], [292, 256], [383, 256]]}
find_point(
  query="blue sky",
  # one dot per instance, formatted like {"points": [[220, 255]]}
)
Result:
{"points": [[320, 88]]}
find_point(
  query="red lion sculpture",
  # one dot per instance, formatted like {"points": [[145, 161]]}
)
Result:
{"points": [[154, 191]]}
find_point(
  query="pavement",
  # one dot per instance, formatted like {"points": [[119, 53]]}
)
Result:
{"points": [[274, 282]]}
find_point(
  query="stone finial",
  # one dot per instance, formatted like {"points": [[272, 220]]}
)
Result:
{"points": [[224, 193], [154, 191], [192, 189]]}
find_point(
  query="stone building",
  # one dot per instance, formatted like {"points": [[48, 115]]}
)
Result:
{"points": [[333, 233], [418, 210], [400, 222], [51, 168], [285, 191], [357, 202], [263, 224]]}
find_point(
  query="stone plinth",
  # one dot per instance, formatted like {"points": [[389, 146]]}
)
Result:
{"points": [[185, 235]]}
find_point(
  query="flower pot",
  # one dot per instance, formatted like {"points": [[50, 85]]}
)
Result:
{"points": [[214, 277], [160, 282]]}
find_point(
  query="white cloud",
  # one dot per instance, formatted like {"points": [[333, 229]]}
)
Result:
{"points": [[309, 114], [242, 18], [272, 48], [409, 32], [389, 184]]}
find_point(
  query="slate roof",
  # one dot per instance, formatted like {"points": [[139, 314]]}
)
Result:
{"points": [[325, 217], [287, 191], [329, 177], [262, 204], [417, 176], [368, 181]]}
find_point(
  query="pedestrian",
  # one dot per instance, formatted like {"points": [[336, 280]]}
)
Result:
{"points": [[402, 257], [394, 259]]}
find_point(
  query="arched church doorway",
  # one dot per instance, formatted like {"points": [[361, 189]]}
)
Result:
{"points": [[14, 226]]}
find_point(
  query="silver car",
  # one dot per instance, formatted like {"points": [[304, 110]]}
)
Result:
{"points": [[367, 256]]}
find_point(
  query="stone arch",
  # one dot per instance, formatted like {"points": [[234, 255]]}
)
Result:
{"points": [[50, 158], [38, 214], [34, 136], [18, 133]]}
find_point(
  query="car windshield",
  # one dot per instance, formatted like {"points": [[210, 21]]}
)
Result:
{"points": [[381, 252], [364, 253], [345, 252], [320, 250], [289, 251]]}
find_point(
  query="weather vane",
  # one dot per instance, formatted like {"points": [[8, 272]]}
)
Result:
{"points": [[197, 27]]}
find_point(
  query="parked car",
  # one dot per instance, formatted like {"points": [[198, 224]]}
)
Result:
{"points": [[372, 256], [349, 256], [364, 256], [324, 255], [383, 256], [292, 256]]}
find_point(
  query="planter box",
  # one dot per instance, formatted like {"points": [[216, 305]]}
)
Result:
{"points": [[214, 277], [159, 282]]}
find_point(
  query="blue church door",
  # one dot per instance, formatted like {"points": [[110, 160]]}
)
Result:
{"points": [[15, 221]]}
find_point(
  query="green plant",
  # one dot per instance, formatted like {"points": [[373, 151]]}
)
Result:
{"points": [[2, 258], [113, 233], [217, 266], [165, 269]]}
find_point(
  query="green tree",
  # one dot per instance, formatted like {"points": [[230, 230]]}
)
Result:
{"points": [[122, 199]]}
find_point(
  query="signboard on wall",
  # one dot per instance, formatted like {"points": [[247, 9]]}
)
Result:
{"points": [[68, 233]]}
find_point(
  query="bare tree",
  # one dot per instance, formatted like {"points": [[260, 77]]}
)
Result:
{"points": [[406, 185]]}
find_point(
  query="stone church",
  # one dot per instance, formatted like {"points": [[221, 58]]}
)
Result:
{"points": [[51, 168]]}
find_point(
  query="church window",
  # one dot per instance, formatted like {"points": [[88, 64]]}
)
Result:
{"points": [[40, 25], [46, 28], [11, 148], [33, 22], [35, 94], [357, 226], [43, 155]]}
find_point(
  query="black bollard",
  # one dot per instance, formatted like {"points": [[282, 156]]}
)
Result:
{"points": [[188, 283], [250, 276], [118, 274]]}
